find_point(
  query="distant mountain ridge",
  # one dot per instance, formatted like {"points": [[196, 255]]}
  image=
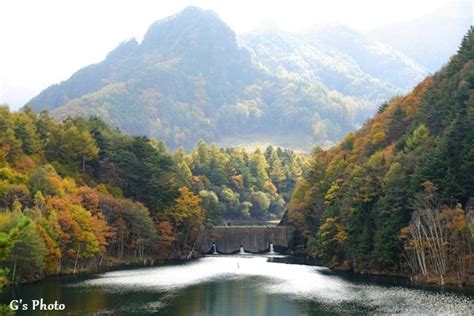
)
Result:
{"points": [[192, 78], [343, 59], [431, 39]]}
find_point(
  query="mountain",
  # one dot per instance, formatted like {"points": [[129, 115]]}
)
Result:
{"points": [[432, 38], [191, 78], [397, 196], [338, 57]]}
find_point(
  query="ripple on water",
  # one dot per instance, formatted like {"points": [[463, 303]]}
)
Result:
{"points": [[298, 282]]}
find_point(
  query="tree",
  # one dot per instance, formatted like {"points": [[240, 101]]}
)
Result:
{"points": [[436, 239], [277, 174], [260, 204], [71, 146], [392, 215], [330, 242], [46, 180], [230, 200], [15, 192], [140, 226], [259, 168], [209, 203], [396, 126], [201, 156], [27, 250], [4, 245], [25, 131], [52, 255], [184, 173], [187, 217], [146, 172], [12, 145], [80, 234], [418, 139]]}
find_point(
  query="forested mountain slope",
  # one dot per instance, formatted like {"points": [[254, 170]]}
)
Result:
{"points": [[397, 196], [189, 79], [341, 58]]}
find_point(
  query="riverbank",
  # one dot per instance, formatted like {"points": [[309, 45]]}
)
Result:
{"points": [[110, 264], [114, 264], [450, 280]]}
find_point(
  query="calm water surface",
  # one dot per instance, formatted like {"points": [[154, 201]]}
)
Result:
{"points": [[237, 285]]}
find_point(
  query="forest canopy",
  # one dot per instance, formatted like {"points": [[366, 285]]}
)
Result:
{"points": [[77, 195]]}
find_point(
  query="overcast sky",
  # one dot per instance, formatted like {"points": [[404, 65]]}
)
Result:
{"points": [[45, 42]]}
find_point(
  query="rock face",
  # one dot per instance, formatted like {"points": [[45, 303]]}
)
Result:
{"points": [[254, 239]]}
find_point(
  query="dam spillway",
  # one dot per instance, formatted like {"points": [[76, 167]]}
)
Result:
{"points": [[253, 239]]}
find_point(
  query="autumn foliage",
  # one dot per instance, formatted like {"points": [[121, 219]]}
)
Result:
{"points": [[78, 196], [397, 196]]}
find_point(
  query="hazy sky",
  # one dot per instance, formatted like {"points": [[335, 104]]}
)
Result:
{"points": [[45, 42]]}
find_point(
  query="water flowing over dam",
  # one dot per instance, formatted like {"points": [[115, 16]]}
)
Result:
{"points": [[254, 239]]}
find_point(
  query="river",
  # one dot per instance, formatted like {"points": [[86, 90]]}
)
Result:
{"points": [[237, 285]]}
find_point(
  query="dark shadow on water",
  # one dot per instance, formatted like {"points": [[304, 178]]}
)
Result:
{"points": [[367, 279]]}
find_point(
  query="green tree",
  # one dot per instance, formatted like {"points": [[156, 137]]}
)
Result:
{"points": [[392, 215], [27, 250], [330, 242], [277, 174], [140, 227], [260, 204], [25, 131], [209, 203], [259, 168], [13, 145], [71, 146]]}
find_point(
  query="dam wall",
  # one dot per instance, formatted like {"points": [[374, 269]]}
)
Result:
{"points": [[253, 238]]}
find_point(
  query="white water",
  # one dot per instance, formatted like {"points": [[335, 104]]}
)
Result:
{"points": [[271, 252], [214, 249], [241, 251]]}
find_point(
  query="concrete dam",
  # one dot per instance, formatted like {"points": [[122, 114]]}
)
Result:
{"points": [[253, 239]]}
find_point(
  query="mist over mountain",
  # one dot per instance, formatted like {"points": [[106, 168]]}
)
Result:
{"points": [[431, 39], [339, 58], [192, 78]]}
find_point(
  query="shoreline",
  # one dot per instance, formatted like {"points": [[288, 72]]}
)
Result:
{"points": [[371, 276], [429, 281], [123, 265]]}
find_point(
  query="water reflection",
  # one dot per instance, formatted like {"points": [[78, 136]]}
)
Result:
{"points": [[239, 285]]}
